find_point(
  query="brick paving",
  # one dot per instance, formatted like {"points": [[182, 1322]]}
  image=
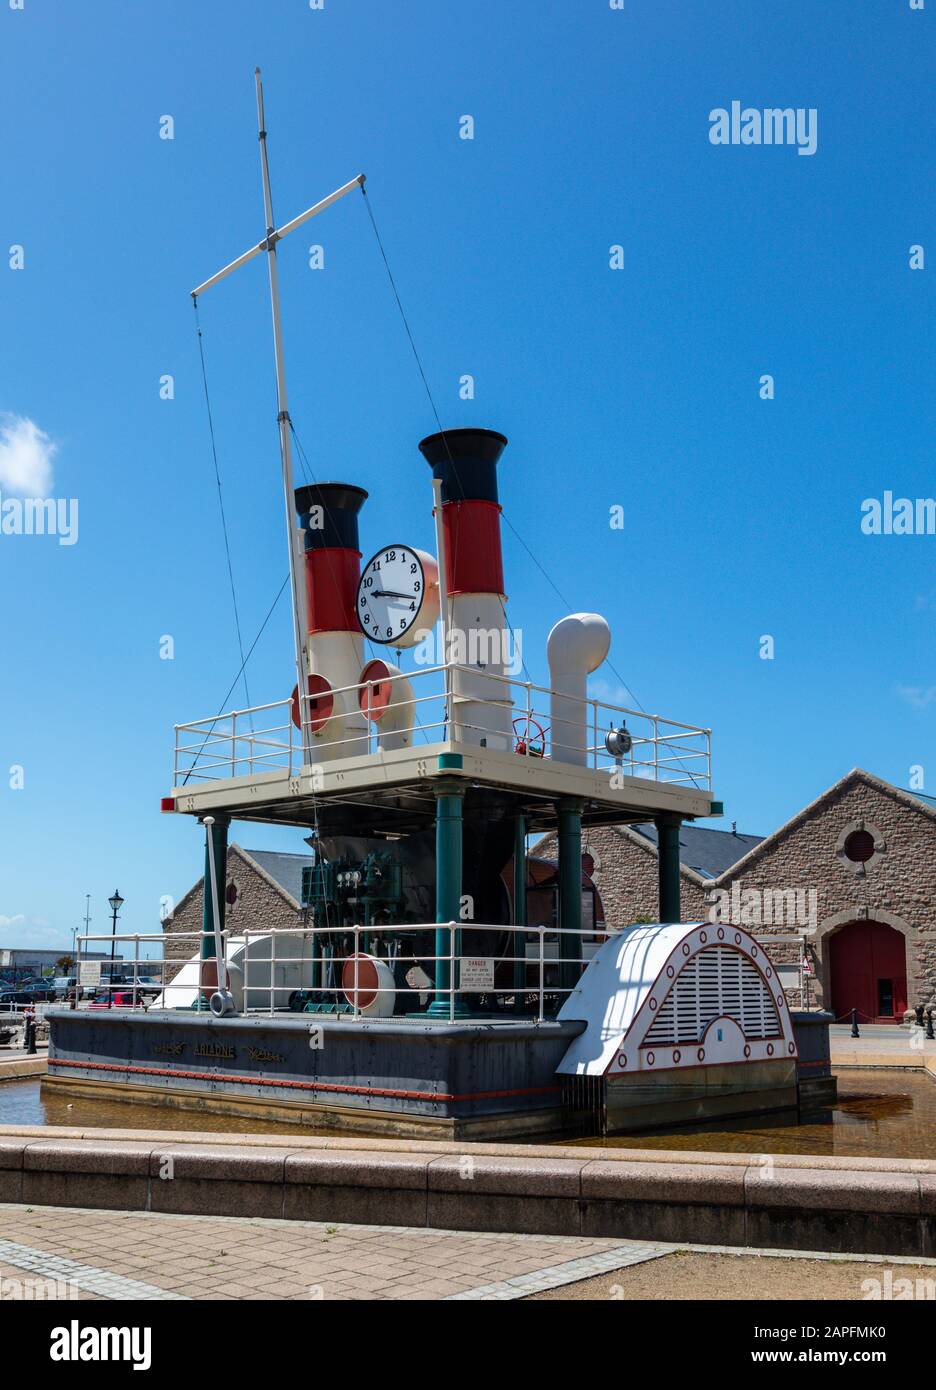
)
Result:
{"points": [[200, 1257], [67, 1253]]}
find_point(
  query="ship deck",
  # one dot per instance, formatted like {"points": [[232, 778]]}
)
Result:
{"points": [[397, 789]]}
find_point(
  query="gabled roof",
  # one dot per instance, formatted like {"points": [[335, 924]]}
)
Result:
{"points": [[710, 852], [857, 774], [283, 870], [710, 856]]}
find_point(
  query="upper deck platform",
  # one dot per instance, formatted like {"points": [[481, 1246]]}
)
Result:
{"points": [[251, 765]]}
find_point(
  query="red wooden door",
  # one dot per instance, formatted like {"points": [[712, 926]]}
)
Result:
{"points": [[868, 965]]}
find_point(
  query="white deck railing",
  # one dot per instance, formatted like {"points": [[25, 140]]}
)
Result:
{"points": [[244, 742], [264, 973]]}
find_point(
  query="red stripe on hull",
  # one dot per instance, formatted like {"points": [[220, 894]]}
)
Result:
{"points": [[303, 1085]]}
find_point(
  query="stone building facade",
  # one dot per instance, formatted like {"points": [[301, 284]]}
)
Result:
{"points": [[262, 890], [847, 884]]}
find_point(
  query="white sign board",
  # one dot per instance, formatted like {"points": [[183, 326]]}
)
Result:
{"points": [[477, 974], [789, 976], [89, 973]]}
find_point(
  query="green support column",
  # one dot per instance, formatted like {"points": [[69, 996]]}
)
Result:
{"points": [[570, 891], [449, 799], [518, 947], [216, 842], [667, 827]]}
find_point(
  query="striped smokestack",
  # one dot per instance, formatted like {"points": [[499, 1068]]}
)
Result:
{"points": [[465, 463], [328, 515]]}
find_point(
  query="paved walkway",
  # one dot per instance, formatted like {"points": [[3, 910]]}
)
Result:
{"points": [[54, 1252], [881, 1037], [756, 1276], [881, 1045]]}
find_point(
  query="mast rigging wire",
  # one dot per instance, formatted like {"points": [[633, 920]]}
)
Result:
{"points": [[224, 528], [236, 678], [425, 382], [308, 473], [545, 573]]}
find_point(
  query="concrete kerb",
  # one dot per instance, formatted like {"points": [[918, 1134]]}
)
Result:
{"points": [[794, 1202], [21, 1068]]}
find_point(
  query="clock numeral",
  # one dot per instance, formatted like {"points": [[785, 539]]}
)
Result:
{"points": [[412, 569], [390, 555], [417, 586]]}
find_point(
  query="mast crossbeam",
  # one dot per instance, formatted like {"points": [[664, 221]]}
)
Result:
{"points": [[268, 244]]}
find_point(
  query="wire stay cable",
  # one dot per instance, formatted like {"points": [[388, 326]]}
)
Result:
{"points": [[425, 382], [224, 527], [230, 688]]}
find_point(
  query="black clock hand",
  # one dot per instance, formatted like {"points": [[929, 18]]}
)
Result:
{"points": [[390, 593]]}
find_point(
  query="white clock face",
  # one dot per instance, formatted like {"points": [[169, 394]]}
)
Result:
{"points": [[392, 596]]}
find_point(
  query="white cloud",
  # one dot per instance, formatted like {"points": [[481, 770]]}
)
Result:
{"points": [[608, 694], [11, 921], [919, 696], [26, 454]]}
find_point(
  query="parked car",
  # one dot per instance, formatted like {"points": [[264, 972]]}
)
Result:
{"points": [[119, 999], [146, 986], [40, 994], [12, 1000]]}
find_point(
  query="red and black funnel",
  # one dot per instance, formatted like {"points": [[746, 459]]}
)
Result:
{"points": [[328, 513], [465, 462]]}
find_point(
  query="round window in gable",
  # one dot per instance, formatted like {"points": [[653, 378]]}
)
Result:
{"points": [[859, 847]]}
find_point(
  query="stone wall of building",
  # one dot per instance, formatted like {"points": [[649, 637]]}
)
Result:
{"points": [[626, 876], [801, 875], [259, 904], [800, 883], [897, 887]]}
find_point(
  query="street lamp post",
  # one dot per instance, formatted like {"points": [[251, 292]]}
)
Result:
{"points": [[116, 903]]}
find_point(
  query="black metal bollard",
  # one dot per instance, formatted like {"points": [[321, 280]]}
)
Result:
{"points": [[930, 1035], [918, 1010], [30, 1038], [854, 1030]]}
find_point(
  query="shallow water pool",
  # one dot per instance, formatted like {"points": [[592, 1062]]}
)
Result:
{"points": [[880, 1114]]}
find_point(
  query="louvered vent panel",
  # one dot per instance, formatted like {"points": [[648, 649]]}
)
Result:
{"points": [[717, 981]]}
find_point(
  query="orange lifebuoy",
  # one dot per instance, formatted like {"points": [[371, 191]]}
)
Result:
{"points": [[376, 689], [321, 704]]}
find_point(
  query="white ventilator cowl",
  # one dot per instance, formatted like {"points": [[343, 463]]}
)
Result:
{"points": [[576, 646]]}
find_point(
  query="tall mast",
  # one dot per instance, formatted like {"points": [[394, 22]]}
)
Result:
{"points": [[296, 561], [268, 244]]}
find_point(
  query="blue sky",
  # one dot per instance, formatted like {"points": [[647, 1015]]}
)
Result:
{"points": [[637, 387]]}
